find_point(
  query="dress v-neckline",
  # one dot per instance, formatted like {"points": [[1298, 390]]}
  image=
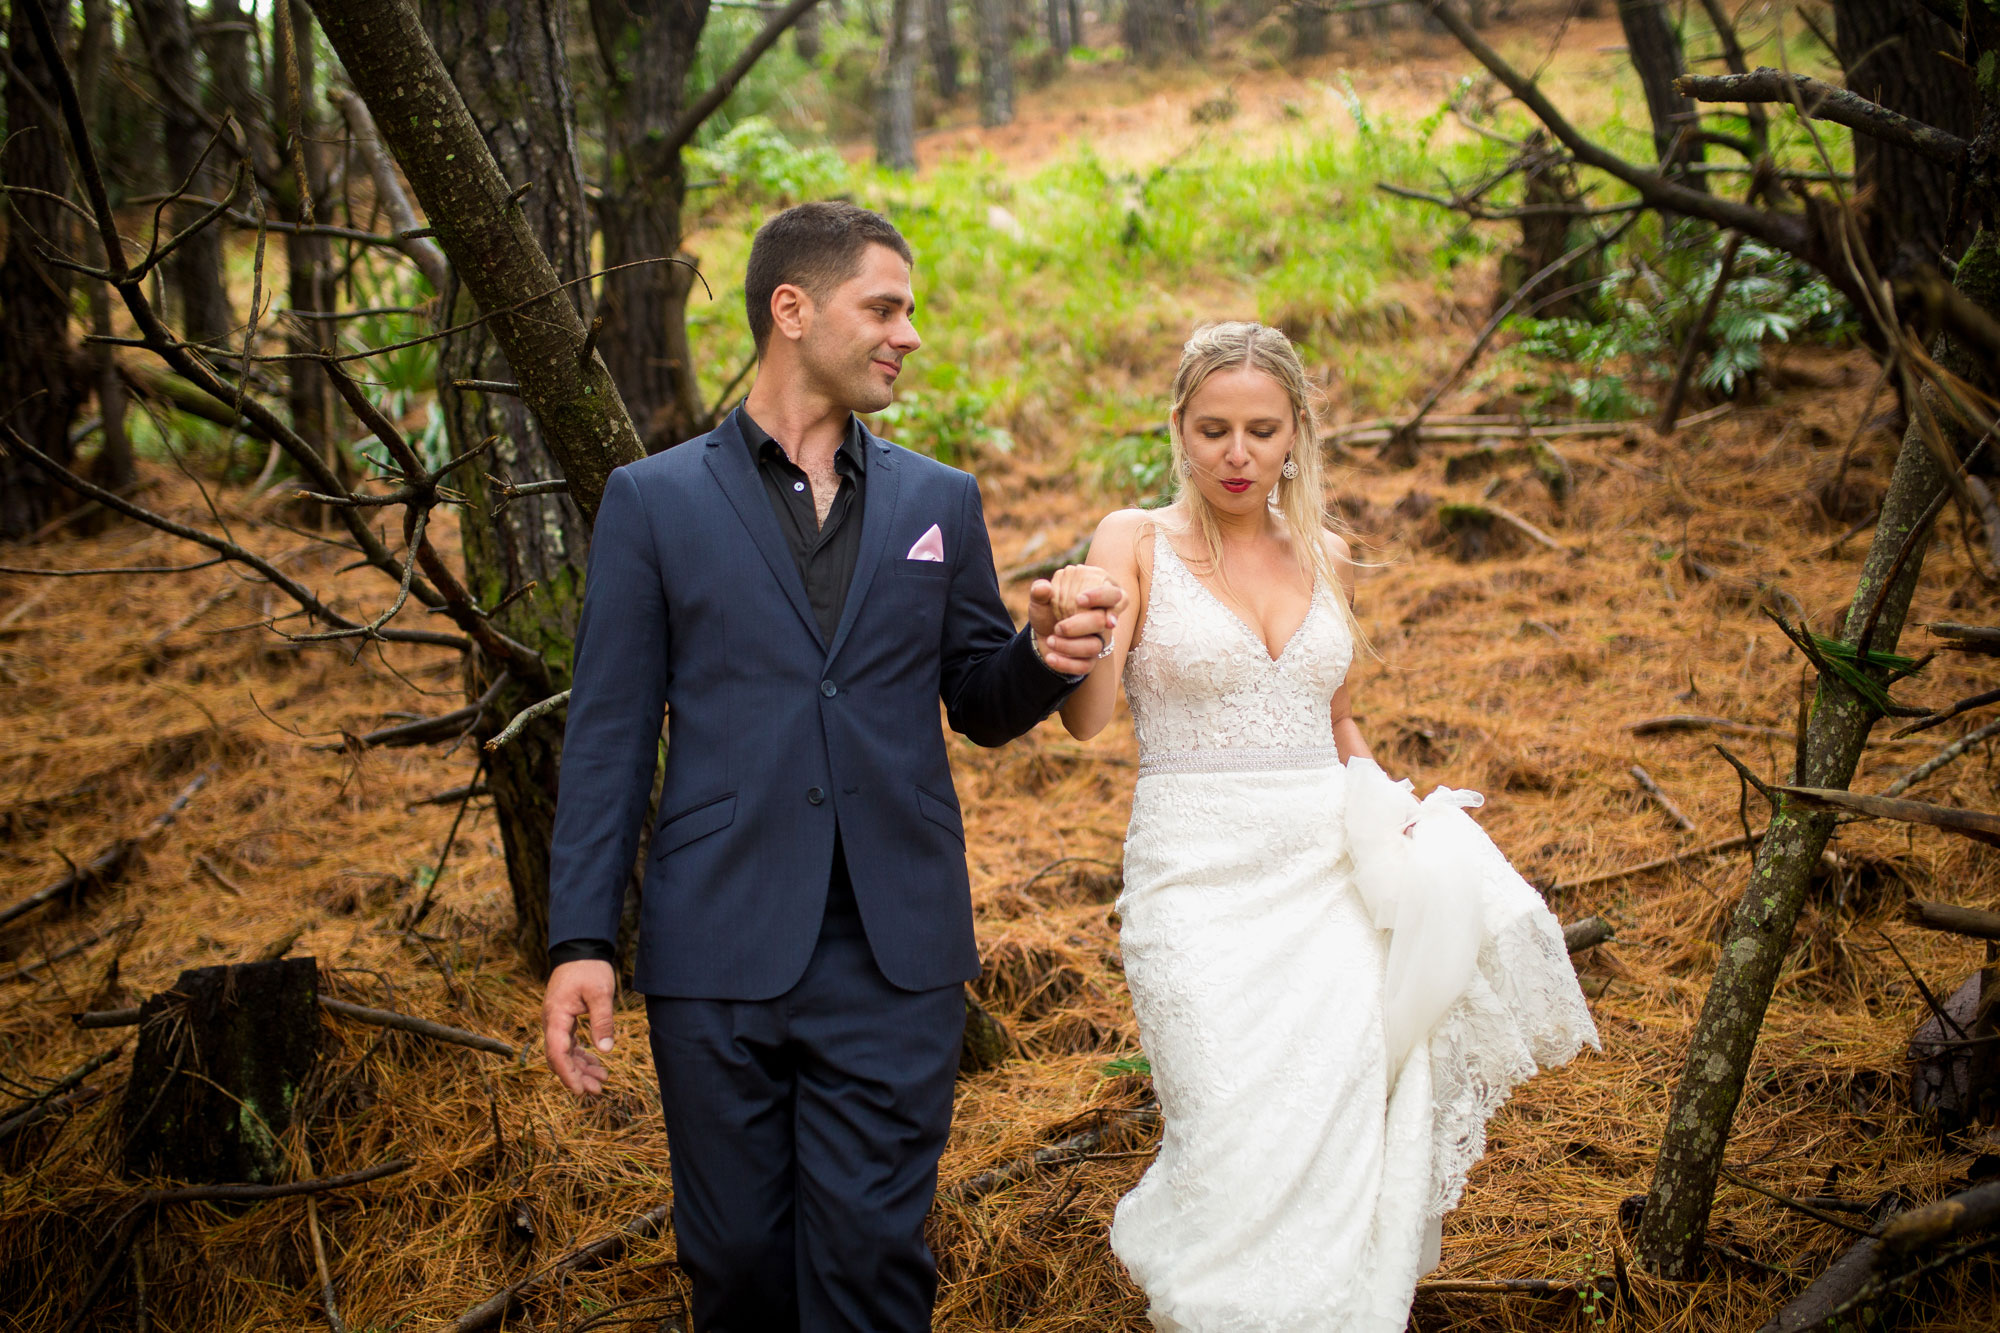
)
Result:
{"points": [[1263, 648]]}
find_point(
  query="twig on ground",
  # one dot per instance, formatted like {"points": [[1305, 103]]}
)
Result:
{"points": [[1664, 801], [107, 865], [489, 1312]]}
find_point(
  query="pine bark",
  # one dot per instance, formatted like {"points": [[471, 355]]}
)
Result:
{"points": [[647, 47], [895, 88], [1148, 29], [300, 197], [41, 379], [114, 466], [996, 63], [1889, 51], [1656, 54], [462, 155], [194, 272]]}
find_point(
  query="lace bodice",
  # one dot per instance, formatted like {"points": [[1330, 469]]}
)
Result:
{"points": [[1200, 679]]}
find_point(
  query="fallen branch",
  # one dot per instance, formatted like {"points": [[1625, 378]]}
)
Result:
{"points": [[1041, 569], [1655, 726], [1665, 802], [360, 1013], [1074, 1148], [1975, 824], [45, 1105], [1953, 919], [1736, 843], [489, 1312], [1858, 1277], [1597, 1287], [104, 868], [1941, 758], [422, 1027], [1588, 933], [26, 970], [259, 1193]]}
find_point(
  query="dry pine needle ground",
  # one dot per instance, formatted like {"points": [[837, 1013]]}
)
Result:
{"points": [[1515, 672]]}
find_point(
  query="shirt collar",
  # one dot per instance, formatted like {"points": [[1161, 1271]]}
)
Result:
{"points": [[850, 458]]}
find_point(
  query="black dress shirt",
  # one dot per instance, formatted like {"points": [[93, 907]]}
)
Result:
{"points": [[825, 554]]}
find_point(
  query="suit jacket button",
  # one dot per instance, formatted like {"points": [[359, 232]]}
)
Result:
{"points": [[828, 688], [815, 795]]}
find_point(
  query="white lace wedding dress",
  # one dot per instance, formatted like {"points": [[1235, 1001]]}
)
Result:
{"points": [[1299, 1180]]}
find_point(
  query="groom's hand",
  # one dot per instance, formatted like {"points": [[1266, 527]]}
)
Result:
{"points": [[585, 986], [1070, 645]]}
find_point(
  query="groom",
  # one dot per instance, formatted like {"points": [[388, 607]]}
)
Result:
{"points": [[797, 595]]}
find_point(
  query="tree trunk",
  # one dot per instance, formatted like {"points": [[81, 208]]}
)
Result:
{"points": [[895, 89], [1190, 24], [569, 420], [806, 38], [1312, 31], [647, 47], [113, 467], [193, 272], [943, 47], [996, 63], [1673, 1228], [41, 381], [300, 198], [1148, 30], [1656, 54], [1889, 51], [508, 59], [1076, 23], [1057, 14]]}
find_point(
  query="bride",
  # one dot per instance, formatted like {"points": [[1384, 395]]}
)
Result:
{"points": [[1336, 986]]}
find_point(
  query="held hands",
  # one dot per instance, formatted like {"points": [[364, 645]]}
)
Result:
{"points": [[585, 986], [1073, 615]]}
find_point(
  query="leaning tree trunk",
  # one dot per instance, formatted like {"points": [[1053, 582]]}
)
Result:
{"points": [[647, 47], [895, 90], [194, 271], [1673, 1227], [41, 380], [943, 49], [1889, 50], [569, 419], [996, 63], [1656, 55]]}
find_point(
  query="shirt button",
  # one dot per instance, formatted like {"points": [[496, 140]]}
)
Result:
{"points": [[828, 688], [814, 795], [798, 485]]}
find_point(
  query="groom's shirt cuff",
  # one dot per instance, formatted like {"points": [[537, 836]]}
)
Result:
{"points": [[571, 951]]}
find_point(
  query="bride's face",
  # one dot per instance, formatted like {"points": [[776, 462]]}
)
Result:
{"points": [[1238, 429]]}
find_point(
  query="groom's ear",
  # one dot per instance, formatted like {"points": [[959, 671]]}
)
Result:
{"points": [[791, 311]]}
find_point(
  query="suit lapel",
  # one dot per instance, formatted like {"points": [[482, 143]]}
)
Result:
{"points": [[878, 515], [728, 458]]}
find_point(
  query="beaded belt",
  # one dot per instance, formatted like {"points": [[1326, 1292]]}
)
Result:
{"points": [[1233, 760]]}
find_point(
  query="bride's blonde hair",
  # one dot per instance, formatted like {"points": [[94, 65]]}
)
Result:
{"points": [[1300, 502]]}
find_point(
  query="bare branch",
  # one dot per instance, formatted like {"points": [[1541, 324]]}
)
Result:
{"points": [[1823, 101], [711, 101], [425, 253]]}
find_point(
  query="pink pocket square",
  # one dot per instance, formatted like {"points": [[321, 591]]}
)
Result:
{"points": [[930, 546]]}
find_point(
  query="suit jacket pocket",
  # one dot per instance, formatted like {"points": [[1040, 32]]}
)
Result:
{"points": [[924, 569], [699, 822], [941, 812]]}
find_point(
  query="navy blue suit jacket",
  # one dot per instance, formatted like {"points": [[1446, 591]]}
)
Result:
{"points": [[694, 603]]}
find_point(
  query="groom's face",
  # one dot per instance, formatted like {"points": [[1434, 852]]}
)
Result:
{"points": [[858, 333]]}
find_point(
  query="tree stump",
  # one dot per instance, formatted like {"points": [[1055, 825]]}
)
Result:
{"points": [[1952, 1082], [221, 1057], [987, 1043]]}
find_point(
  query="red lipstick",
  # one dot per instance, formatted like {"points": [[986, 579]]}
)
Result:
{"points": [[1236, 485]]}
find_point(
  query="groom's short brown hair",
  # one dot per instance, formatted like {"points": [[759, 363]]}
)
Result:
{"points": [[815, 246]]}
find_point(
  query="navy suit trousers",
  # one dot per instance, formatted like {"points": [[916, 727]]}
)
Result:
{"points": [[804, 1134]]}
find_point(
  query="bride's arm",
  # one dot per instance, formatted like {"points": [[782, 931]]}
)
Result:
{"points": [[1115, 550], [1346, 735]]}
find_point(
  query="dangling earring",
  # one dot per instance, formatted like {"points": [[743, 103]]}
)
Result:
{"points": [[1290, 470], [1187, 467]]}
